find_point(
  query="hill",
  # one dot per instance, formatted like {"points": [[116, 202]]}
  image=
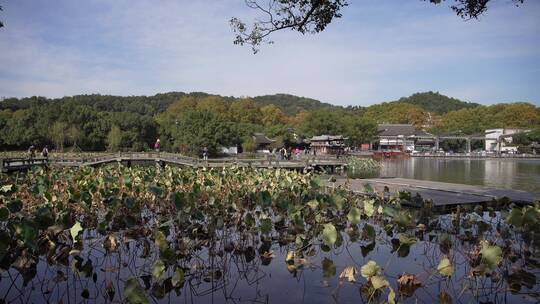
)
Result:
{"points": [[436, 103], [290, 104]]}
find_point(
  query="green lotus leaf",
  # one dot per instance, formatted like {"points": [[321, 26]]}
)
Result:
{"points": [[445, 267], [391, 296], [4, 214], [178, 277], [75, 230], [329, 268], [515, 217], [179, 200], [160, 241], [313, 204], [407, 240], [354, 216], [158, 270], [266, 225], [403, 219], [370, 269], [368, 232], [369, 207], [157, 191], [379, 282], [329, 234], [134, 293], [491, 255]]}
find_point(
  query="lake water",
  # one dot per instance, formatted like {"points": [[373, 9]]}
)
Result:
{"points": [[518, 174], [242, 274]]}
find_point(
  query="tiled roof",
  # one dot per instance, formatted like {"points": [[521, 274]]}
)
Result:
{"points": [[262, 139], [327, 137], [400, 129]]}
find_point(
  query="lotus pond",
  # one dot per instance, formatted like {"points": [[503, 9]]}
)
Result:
{"points": [[151, 235]]}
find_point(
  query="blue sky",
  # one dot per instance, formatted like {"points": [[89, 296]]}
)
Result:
{"points": [[379, 51]]}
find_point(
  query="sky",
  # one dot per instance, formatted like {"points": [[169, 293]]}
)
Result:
{"points": [[380, 50]]}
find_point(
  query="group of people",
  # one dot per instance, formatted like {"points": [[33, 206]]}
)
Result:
{"points": [[32, 151], [287, 153]]}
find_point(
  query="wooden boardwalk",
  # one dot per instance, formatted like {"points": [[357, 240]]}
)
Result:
{"points": [[163, 158], [442, 194]]}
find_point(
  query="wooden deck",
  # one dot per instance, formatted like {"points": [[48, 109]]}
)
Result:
{"points": [[442, 194], [327, 163]]}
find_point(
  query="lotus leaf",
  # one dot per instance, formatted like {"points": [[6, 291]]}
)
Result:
{"points": [[134, 293], [329, 234], [370, 269], [445, 267], [491, 255], [354, 216]]}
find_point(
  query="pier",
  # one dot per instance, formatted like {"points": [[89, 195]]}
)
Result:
{"points": [[442, 194]]}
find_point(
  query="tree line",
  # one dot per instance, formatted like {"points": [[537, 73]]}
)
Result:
{"points": [[187, 122]]}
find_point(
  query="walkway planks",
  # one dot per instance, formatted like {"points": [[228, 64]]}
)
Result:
{"points": [[12, 164], [442, 194]]}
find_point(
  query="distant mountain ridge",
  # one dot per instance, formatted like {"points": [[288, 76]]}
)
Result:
{"points": [[290, 104], [436, 103]]}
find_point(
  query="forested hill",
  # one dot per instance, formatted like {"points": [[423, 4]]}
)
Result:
{"points": [[290, 104], [186, 122], [436, 103]]}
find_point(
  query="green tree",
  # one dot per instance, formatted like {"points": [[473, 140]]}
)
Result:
{"points": [[324, 121], [114, 139], [73, 136], [58, 135], [197, 129], [359, 130], [248, 144], [271, 115]]}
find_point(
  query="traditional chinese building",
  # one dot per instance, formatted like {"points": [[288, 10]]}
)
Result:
{"points": [[263, 143], [327, 144], [403, 138]]}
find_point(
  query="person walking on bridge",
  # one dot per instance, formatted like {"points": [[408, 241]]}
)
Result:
{"points": [[45, 152], [157, 145], [32, 151], [205, 153]]}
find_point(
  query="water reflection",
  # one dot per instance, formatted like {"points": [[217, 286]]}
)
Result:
{"points": [[516, 174], [233, 267]]}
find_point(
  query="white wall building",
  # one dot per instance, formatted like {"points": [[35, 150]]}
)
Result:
{"points": [[492, 140]]}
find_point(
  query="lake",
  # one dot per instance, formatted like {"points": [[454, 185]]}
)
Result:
{"points": [[169, 235], [519, 174]]}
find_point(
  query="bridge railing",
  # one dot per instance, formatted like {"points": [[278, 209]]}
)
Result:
{"points": [[23, 162], [268, 161]]}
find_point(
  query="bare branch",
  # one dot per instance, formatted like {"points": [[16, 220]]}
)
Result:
{"points": [[304, 16], [312, 16], [470, 9]]}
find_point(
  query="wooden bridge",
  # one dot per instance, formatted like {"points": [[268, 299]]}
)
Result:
{"points": [[163, 158], [442, 194]]}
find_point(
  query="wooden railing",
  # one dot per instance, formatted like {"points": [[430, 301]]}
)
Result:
{"points": [[165, 157]]}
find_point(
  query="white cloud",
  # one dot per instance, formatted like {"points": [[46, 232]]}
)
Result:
{"points": [[127, 47]]}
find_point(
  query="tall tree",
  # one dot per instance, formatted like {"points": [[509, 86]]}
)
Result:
{"points": [[58, 135], [114, 139], [271, 115]]}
